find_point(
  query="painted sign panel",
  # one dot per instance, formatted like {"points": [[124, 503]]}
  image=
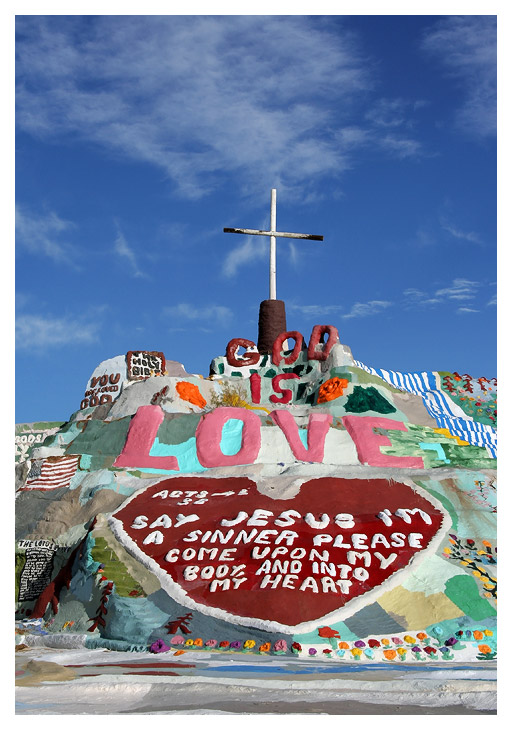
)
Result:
{"points": [[141, 364], [230, 551]]}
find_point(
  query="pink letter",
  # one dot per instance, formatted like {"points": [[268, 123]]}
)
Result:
{"points": [[140, 438], [318, 425], [286, 392], [209, 435], [368, 442]]}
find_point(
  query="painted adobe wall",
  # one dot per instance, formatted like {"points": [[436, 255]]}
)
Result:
{"points": [[297, 503]]}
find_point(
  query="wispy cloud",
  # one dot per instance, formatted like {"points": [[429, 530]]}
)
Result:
{"points": [[460, 290], [199, 96], [358, 309], [42, 235], [214, 314], [254, 248], [466, 47], [34, 332], [463, 235], [493, 301], [122, 249], [366, 310], [205, 97]]}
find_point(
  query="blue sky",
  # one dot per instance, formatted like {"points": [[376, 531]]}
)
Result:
{"points": [[139, 138]]}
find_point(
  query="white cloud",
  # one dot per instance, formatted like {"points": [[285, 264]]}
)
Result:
{"points": [[466, 310], [203, 97], [42, 235], [254, 248], [34, 332], [358, 309], [213, 314], [199, 96], [366, 310], [464, 235], [466, 47], [459, 290], [493, 301], [122, 249], [315, 310]]}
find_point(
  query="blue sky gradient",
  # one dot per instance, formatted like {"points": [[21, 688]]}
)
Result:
{"points": [[139, 138]]}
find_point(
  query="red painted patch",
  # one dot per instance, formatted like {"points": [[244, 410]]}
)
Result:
{"points": [[223, 568]]}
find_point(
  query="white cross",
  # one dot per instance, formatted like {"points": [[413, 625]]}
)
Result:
{"points": [[273, 235]]}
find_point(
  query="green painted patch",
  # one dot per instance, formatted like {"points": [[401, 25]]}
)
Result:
{"points": [[367, 399], [115, 570], [444, 501], [101, 438], [18, 567], [463, 591], [178, 429]]}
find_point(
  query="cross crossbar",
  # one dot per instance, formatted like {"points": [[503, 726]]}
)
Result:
{"points": [[273, 234]]}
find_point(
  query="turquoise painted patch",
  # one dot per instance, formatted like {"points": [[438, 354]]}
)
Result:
{"points": [[437, 448], [186, 453]]}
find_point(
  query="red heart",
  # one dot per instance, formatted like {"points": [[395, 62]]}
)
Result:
{"points": [[169, 526]]}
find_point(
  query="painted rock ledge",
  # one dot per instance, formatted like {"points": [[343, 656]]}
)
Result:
{"points": [[293, 503]]}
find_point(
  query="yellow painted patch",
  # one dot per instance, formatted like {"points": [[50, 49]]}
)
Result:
{"points": [[417, 609], [447, 434]]}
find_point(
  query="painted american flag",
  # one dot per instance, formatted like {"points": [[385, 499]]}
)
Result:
{"points": [[52, 473]]}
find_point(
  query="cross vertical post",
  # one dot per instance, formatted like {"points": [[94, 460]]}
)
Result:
{"points": [[272, 282]]}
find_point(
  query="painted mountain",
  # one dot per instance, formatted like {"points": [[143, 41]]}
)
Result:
{"points": [[292, 502]]}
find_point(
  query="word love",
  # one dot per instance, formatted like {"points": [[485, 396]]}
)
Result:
{"points": [[146, 422]]}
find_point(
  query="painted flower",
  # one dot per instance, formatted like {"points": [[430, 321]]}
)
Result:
{"points": [[401, 650], [296, 646], [373, 643], [360, 644], [385, 642], [356, 653], [478, 635], [189, 642], [235, 645], [484, 649], [158, 647], [369, 653], [331, 389], [486, 543], [340, 652], [327, 651], [343, 645], [312, 652], [390, 654], [443, 649], [409, 639], [437, 630], [280, 645], [224, 644], [177, 640], [265, 647], [488, 632], [430, 650], [211, 643], [396, 640], [249, 644], [451, 641], [198, 642], [416, 649]]}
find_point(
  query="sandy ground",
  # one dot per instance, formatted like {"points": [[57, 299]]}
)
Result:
{"points": [[82, 682]]}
